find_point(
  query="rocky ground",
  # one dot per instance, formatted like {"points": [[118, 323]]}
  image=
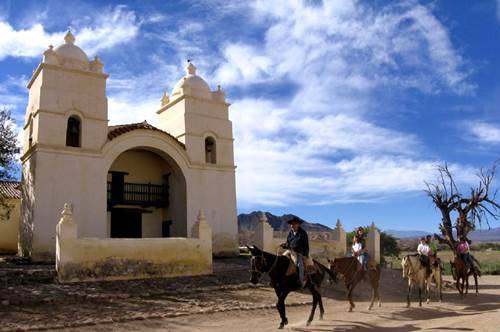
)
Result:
{"points": [[32, 300]]}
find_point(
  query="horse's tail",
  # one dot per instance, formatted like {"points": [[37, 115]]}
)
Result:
{"points": [[332, 274]]}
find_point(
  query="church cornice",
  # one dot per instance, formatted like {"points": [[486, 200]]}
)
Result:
{"points": [[182, 97], [56, 67]]}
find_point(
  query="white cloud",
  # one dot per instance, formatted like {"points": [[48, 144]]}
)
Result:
{"points": [[284, 160], [110, 28], [322, 146], [483, 132], [349, 45]]}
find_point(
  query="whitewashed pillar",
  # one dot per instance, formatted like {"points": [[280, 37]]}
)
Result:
{"points": [[373, 243], [339, 235], [263, 235], [201, 230], [66, 230]]}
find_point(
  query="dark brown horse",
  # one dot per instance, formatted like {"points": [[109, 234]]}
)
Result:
{"points": [[352, 271], [461, 275], [284, 283]]}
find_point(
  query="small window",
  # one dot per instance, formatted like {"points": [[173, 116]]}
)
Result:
{"points": [[73, 132], [210, 152]]}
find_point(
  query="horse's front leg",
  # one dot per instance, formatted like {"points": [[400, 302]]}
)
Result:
{"points": [[280, 305], [314, 294], [350, 288], [321, 309], [475, 281], [408, 295], [467, 285], [420, 295]]}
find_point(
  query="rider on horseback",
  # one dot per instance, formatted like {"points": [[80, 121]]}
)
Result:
{"points": [[463, 250], [359, 248], [297, 242], [424, 251]]}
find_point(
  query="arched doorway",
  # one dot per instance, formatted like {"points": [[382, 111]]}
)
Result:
{"points": [[146, 195]]}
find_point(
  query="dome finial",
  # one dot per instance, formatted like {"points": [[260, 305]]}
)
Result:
{"points": [[190, 68], [69, 38]]}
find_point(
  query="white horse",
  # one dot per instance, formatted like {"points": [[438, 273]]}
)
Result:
{"points": [[417, 276]]}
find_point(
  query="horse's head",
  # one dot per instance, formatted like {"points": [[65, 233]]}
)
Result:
{"points": [[333, 274], [257, 264]]}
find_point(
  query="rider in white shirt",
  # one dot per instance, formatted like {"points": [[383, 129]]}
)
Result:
{"points": [[424, 251]]}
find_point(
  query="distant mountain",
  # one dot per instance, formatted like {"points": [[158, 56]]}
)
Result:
{"points": [[485, 235], [248, 222], [406, 234]]}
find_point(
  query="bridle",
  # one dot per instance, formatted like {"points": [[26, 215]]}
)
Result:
{"points": [[255, 270]]}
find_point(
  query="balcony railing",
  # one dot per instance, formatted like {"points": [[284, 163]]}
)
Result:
{"points": [[142, 194]]}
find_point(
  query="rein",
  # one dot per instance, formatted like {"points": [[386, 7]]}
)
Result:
{"points": [[254, 270]]}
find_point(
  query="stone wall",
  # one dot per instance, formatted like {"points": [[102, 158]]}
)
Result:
{"points": [[90, 259], [334, 246]]}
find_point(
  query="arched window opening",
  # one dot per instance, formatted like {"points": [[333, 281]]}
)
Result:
{"points": [[30, 138], [210, 152], [73, 132]]}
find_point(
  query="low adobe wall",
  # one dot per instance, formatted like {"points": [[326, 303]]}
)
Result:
{"points": [[334, 246], [91, 259]]}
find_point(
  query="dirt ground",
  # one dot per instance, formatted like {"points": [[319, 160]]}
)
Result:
{"points": [[225, 301], [474, 313]]}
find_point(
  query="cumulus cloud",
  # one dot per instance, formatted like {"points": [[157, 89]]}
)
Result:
{"points": [[483, 132], [323, 146], [110, 28]]}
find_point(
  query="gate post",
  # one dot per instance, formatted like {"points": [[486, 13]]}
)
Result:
{"points": [[339, 235], [263, 235], [373, 243]]}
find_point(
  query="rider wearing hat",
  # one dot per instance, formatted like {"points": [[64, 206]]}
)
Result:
{"points": [[297, 242]]}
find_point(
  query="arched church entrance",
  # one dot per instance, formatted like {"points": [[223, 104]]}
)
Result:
{"points": [[146, 195]]}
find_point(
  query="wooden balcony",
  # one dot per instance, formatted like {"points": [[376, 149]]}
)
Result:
{"points": [[137, 194]]}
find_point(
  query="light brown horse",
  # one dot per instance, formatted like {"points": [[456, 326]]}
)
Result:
{"points": [[352, 272], [461, 275]]}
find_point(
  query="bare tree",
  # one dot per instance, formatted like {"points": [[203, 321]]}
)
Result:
{"points": [[477, 206]]}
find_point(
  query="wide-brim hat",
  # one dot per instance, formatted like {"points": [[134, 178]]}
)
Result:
{"points": [[295, 219]]}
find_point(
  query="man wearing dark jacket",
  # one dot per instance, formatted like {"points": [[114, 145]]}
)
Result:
{"points": [[297, 242]]}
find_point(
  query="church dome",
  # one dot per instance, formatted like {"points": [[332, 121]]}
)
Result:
{"points": [[191, 83], [70, 50]]}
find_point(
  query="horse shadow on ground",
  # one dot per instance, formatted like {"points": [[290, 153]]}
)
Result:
{"points": [[325, 326]]}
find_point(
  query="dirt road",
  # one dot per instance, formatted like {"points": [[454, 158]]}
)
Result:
{"points": [[474, 313]]}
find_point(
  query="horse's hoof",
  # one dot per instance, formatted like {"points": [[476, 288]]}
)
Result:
{"points": [[379, 304], [281, 326], [308, 323], [349, 310]]}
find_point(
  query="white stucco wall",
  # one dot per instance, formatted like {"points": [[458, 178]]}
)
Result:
{"points": [[9, 228], [54, 173]]}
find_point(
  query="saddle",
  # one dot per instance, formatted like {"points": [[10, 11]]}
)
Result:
{"points": [[309, 266]]}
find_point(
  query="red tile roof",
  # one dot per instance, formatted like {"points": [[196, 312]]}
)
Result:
{"points": [[10, 189], [115, 131]]}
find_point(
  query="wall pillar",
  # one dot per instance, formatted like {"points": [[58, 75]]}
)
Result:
{"points": [[263, 235], [66, 230], [339, 235], [373, 243], [201, 230]]}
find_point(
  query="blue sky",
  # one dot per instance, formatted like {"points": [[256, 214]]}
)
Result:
{"points": [[340, 109]]}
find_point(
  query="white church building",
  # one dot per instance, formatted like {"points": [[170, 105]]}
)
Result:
{"points": [[125, 181]]}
